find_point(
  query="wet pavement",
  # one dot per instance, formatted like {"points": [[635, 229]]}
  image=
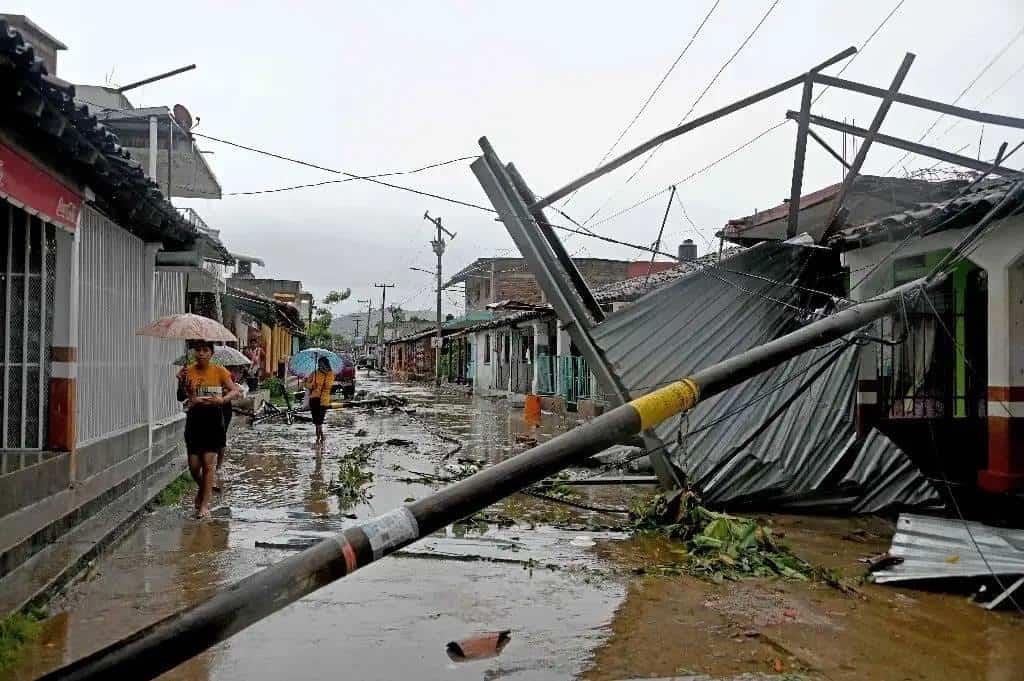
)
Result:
{"points": [[564, 584], [388, 620]]}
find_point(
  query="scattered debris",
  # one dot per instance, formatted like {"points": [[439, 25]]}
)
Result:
{"points": [[526, 439], [479, 647], [399, 442], [716, 546], [943, 548], [362, 432]]}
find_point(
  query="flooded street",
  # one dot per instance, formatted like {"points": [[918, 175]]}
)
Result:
{"points": [[580, 600], [374, 624]]}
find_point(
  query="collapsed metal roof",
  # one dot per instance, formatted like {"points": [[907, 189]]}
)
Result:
{"points": [[942, 547], [785, 438]]}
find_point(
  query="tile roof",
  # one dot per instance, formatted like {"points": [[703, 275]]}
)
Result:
{"points": [[928, 218], [42, 110]]}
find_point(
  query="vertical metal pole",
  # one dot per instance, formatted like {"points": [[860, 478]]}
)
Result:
{"points": [[439, 249], [42, 328], [858, 161], [24, 330], [803, 126], [170, 156], [154, 145], [661, 231], [7, 322]]}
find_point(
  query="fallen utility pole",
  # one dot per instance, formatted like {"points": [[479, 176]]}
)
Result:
{"points": [[161, 646]]}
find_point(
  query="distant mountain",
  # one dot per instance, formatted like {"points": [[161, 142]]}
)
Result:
{"points": [[345, 325]]}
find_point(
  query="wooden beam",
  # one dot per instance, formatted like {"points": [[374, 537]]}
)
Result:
{"points": [[862, 153], [921, 102], [906, 145], [825, 145], [799, 154], [682, 129]]}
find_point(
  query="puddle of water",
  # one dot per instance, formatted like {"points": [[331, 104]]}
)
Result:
{"points": [[570, 610], [448, 587]]}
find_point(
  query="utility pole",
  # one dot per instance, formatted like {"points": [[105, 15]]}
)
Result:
{"points": [[380, 336], [366, 334], [358, 321], [438, 246]]}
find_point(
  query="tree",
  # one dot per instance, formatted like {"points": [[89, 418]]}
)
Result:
{"points": [[318, 332], [397, 314]]}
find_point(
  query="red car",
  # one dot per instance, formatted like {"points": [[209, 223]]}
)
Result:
{"points": [[345, 380]]}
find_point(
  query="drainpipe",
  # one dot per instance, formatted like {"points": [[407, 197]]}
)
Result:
{"points": [[153, 150]]}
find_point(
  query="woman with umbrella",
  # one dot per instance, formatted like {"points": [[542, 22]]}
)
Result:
{"points": [[207, 388], [319, 385]]}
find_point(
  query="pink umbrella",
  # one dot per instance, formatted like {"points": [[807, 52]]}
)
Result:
{"points": [[187, 327]]}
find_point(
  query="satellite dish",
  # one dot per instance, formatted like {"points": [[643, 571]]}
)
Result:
{"points": [[183, 117]]}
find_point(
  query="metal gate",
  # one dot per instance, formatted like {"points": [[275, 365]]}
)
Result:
{"points": [[115, 285], [28, 256], [520, 367]]}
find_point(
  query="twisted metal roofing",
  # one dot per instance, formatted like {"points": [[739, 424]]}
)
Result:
{"points": [[784, 438]]}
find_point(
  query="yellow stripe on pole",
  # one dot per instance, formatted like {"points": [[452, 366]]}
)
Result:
{"points": [[663, 403]]}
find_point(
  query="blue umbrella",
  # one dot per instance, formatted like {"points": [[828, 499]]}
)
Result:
{"points": [[304, 363]]}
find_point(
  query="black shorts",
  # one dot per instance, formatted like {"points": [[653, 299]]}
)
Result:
{"points": [[317, 411], [204, 430], [228, 412]]}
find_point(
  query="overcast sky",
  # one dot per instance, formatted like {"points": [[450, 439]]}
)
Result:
{"points": [[383, 86]]}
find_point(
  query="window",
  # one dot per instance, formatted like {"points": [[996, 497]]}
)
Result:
{"points": [[487, 348], [27, 258]]}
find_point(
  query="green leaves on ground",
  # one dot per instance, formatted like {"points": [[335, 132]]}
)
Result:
{"points": [[182, 486], [716, 546], [351, 485], [15, 632]]}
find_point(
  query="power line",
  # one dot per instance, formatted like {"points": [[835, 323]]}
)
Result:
{"points": [[963, 92], [764, 132], [654, 92], [351, 179], [987, 97], [704, 92]]}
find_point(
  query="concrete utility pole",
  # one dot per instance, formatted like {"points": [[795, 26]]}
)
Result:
{"points": [[380, 336], [366, 334], [438, 245]]}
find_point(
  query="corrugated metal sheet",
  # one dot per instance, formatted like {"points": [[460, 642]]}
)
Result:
{"points": [[942, 547], [792, 445]]}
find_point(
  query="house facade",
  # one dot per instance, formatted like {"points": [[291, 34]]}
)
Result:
{"points": [[89, 416], [954, 382], [492, 280]]}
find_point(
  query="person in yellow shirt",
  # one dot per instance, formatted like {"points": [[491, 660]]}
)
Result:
{"points": [[319, 385], [207, 388]]}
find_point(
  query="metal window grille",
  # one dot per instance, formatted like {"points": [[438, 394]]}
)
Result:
{"points": [[546, 374], [114, 289], [27, 259], [916, 376], [168, 299]]}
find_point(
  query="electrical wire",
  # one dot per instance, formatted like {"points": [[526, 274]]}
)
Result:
{"points": [[651, 96], [696, 102], [696, 230], [1017, 36], [351, 179], [985, 99], [761, 134]]}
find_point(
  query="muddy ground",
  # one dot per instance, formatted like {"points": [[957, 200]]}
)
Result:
{"points": [[565, 582]]}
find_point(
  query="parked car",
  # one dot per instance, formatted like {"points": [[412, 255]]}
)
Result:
{"points": [[345, 380]]}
